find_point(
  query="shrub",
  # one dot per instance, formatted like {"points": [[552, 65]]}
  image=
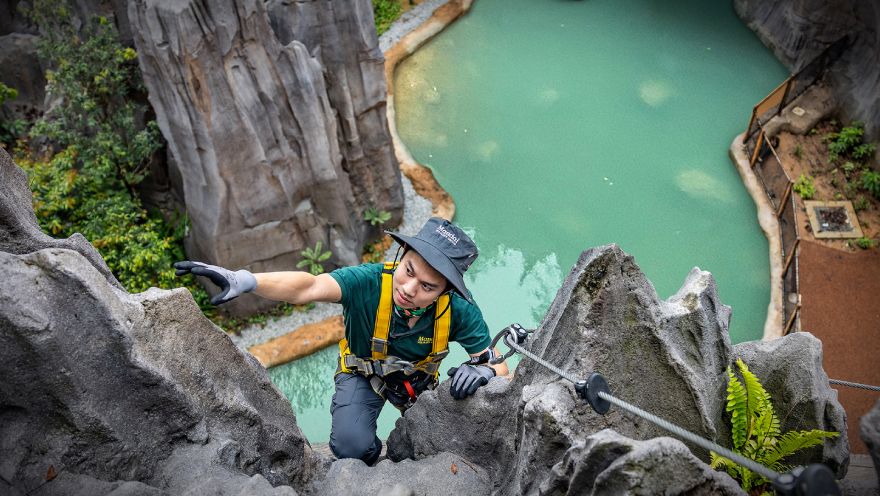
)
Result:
{"points": [[756, 433], [865, 243], [805, 187], [870, 181], [385, 12], [313, 258], [860, 203], [848, 143], [376, 217]]}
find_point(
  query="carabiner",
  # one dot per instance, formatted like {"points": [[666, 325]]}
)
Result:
{"points": [[515, 331]]}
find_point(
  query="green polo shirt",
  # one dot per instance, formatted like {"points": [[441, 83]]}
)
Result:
{"points": [[361, 286]]}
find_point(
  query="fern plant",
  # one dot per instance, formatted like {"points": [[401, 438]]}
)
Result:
{"points": [[756, 432], [376, 217], [313, 258]]}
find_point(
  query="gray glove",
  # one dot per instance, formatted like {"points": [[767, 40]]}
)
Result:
{"points": [[467, 378], [232, 284]]}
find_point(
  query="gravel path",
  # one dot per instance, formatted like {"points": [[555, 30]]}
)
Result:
{"points": [[410, 20], [416, 211]]}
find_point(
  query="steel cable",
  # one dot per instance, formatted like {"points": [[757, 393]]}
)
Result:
{"points": [[669, 426], [854, 385]]}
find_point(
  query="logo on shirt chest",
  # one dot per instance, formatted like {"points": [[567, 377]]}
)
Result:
{"points": [[425, 340]]}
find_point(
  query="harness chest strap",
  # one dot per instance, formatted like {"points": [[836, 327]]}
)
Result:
{"points": [[349, 363]]}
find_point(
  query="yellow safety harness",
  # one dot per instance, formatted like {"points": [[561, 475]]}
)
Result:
{"points": [[380, 363]]}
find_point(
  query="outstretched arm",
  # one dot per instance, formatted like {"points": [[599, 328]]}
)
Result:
{"points": [[297, 287], [293, 287]]}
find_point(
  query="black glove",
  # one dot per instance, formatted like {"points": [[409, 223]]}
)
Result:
{"points": [[467, 378], [232, 284]]}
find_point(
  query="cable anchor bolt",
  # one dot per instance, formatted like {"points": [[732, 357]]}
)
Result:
{"points": [[589, 390]]}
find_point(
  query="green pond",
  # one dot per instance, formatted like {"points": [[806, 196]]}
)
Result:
{"points": [[561, 125]]}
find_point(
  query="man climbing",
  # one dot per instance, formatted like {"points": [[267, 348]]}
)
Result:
{"points": [[399, 318]]}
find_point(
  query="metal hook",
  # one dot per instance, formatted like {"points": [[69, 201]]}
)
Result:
{"points": [[517, 332]]}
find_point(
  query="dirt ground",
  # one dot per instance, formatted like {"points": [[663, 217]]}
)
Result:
{"points": [[840, 298], [839, 282], [808, 154]]}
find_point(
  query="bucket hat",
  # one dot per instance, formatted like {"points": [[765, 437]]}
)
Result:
{"points": [[446, 248]]}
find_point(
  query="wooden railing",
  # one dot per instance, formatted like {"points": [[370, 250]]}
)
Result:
{"points": [[778, 186]]}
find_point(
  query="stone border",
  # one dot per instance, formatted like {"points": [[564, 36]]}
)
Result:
{"points": [[818, 233], [770, 225], [434, 19]]}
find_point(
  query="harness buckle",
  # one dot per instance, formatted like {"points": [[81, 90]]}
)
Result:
{"points": [[439, 356], [365, 367], [379, 345]]}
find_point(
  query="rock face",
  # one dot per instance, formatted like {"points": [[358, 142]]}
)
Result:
{"points": [[667, 357], [797, 31], [869, 431], [342, 38], [278, 148], [22, 71], [104, 386], [441, 474]]}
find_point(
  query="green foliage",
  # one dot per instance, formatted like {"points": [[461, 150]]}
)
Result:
{"points": [[139, 247], [865, 243], [755, 429], [313, 258], [385, 12], [10, 130], [804, 187], [86, 182], [848, 143], [870, 181], [848, 168], [860, 203], [376, 217], [96, 79], [798, 152]]}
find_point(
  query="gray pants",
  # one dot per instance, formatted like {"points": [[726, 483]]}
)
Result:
{"points": [[355, 408]]}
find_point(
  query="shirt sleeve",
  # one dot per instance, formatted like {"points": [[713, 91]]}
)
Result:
{"points": [[356, 281], [469, 328]]}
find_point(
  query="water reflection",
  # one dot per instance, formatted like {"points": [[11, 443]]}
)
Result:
{"points": [[307, 382], [513, 286]]}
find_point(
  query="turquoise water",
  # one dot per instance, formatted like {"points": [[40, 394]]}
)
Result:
{"points": [[561, 125]]}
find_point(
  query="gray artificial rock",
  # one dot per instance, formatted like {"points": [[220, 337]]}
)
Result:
{"points": [[269, 164], [67, 484], [23, 72], [344, 42], [608, 463], [440, 474], [869, 431], [798, 31], [790, 369], [115, 387], [667, 357]]}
